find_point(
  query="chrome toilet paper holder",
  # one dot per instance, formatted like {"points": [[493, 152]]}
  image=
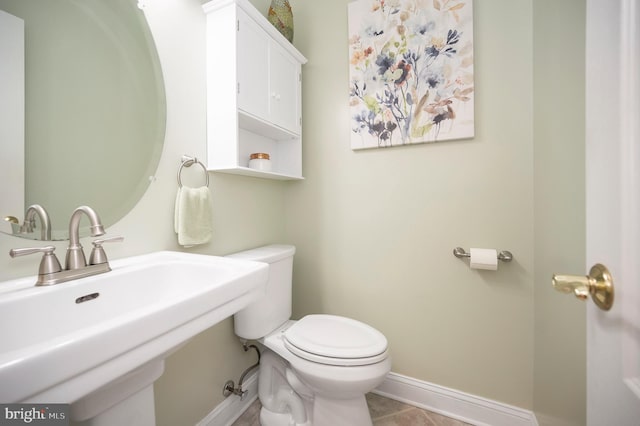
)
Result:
{"points": [[504, 255]]}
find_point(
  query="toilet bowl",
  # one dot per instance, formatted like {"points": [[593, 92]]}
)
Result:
{"points": [[314, 371]]}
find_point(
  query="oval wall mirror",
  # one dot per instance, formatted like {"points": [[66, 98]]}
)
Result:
{"points": [[94, 111]]}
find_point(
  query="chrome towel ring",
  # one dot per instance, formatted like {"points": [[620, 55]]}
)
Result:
{"points": [[188, 162]]}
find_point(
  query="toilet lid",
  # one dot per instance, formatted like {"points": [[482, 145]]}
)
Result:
{"points": [[335, 340]]}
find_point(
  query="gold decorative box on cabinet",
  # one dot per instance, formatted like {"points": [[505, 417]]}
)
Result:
{"points": [[254, 83]]}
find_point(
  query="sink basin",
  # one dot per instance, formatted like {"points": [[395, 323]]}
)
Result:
{"points": [[64, 342]]}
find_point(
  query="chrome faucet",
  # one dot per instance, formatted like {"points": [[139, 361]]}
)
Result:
{"points": [[51, 272], [75, 255], [30, 221]]}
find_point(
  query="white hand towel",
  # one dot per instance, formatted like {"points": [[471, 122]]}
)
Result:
{"points": [[193, 216]]}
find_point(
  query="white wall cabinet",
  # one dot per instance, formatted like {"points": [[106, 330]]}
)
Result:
{"points": [[254, 82]]}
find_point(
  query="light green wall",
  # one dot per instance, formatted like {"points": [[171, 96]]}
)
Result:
{"points": [[559, 158], [374, 229], [248, 212]]}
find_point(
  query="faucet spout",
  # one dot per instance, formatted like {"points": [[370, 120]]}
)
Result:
{"points": [[75, 258], [30, 221]]}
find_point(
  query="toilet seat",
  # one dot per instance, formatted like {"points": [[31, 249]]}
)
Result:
{"points": [[335, 340]]}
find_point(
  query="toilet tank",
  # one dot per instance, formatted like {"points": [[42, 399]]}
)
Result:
{"points": [[274, 308]]}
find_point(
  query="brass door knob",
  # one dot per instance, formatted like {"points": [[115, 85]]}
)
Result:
{"points": [[11, 219], [598, 284]]}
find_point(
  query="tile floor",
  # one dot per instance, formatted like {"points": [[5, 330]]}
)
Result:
{"points": [[384, 412]]}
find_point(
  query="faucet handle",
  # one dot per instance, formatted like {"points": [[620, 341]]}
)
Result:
{"points": [[98, 256], [49, 263]]}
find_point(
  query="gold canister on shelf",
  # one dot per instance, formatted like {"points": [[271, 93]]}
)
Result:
{"points": [[260, 161]]}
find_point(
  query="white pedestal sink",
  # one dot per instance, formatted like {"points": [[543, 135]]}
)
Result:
{"points": [[100, 342]]}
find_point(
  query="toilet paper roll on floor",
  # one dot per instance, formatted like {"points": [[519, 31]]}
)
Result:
{"points": [[481, 258]]}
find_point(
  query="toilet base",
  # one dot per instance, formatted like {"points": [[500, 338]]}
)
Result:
{"points": [[326, 412], [270, 418], [342, 412]]}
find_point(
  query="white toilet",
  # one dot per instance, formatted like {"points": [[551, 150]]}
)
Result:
{"points": [[315, 371]]}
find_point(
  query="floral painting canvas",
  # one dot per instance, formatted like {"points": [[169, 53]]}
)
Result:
{"points": [[411, 71]]}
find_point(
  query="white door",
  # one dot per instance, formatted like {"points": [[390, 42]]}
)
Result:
{"points": [[253, 63], [613, 208], [284, 88]]}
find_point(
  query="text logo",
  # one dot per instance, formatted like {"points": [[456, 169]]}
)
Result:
{"points": [[34, 414]]}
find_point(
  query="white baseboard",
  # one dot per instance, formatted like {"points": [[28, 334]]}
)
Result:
{"points": [[448, 402], [231, 408], [452, 403]]}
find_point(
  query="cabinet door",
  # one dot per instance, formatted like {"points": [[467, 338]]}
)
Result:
{"points": [[253, 74], [284, 89]]}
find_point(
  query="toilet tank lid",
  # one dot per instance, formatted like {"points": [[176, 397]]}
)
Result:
{"points": [[268, 254]]}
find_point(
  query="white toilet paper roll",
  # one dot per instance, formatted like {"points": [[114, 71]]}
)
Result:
{"points": [[483, 259]]}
